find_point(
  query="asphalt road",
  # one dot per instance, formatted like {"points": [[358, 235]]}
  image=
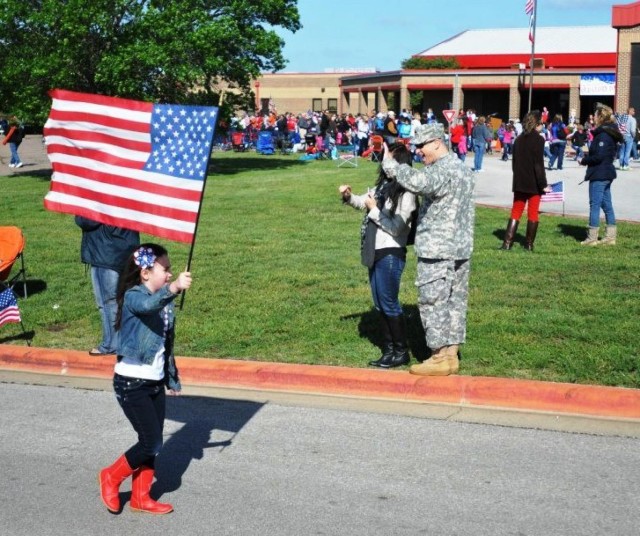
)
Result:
{"points": [[244, 467]]}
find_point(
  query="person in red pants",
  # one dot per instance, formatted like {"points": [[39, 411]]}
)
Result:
{"points": [[529, 180]]}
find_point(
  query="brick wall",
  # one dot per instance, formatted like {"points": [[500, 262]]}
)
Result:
{"points": [[626, 37]]}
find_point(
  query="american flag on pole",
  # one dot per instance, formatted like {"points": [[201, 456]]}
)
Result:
{"points": [[9, 311], [529, 9], [556, 194], [127, 163]]}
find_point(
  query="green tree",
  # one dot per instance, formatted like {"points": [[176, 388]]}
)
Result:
{"points": [[181, 51], [416, 62]]}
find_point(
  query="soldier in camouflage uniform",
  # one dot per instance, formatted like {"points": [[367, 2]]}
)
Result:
{"points": [[444, 242]]}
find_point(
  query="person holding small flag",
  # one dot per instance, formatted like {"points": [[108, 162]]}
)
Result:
{"points": [[600, 174], [146, 367], [529, 180]]}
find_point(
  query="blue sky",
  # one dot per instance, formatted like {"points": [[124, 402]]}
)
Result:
{"points": [[382, 33]]}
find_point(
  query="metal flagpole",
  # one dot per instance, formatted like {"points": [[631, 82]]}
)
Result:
{"points": [[204, 184], [532, 31]]}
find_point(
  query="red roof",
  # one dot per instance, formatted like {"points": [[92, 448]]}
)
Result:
{"points": [[626, 16]]}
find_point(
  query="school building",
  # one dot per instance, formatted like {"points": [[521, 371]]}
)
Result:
{"points": [[574, 67]]}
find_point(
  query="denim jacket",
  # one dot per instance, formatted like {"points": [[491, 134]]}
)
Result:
{"points": [[142, 328]]}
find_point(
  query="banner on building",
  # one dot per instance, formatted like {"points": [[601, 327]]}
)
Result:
{"points": [[598, 84]]}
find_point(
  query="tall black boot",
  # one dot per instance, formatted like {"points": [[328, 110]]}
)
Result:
{"points": [[510, 234], [387, 344], [532, 229], [400, 346]]}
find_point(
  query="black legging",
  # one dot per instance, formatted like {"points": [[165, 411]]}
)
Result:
{"points": [[143, 403]]}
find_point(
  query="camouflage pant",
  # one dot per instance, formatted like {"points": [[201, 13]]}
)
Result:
{"points": [[442, 299]]}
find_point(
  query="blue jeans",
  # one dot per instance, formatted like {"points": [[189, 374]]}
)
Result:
{"points": [[478, 154], [579, 152], [143, 403], [13, 148], [625, 151], [384, 279], [105, 285], [557, 151], [600, 198]]}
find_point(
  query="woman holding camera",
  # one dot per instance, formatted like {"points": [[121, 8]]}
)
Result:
{"points": [[384, 233]]}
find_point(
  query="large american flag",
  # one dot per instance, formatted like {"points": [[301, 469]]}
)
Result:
{"points": [[556, 194], [9, 311], [132, 164]]}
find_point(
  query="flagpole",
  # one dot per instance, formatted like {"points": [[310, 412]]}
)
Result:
{"points": [[533, 50], [195, 229]]}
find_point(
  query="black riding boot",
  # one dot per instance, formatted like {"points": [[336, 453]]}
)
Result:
{"points": [[387, 344], [510, 233], [400, 346], [532, 229]]}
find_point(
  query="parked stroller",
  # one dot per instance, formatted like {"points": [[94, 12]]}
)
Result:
{"points": [[310, 143], [284, 144], [265, 143]]}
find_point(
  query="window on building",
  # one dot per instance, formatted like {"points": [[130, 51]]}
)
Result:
{"points": [[316, 105], [332, 105], [264, 106]]}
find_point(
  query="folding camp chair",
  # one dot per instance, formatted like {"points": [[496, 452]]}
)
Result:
{"points": [[238, 141], [11, 249], [377, 148], [265, 143], [347, 155]]}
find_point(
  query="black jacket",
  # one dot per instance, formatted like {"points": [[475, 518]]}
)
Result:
{"points": [[602, 153], [529, 176], [106, 246]]}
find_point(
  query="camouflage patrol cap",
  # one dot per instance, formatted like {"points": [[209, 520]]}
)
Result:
{"points": [[428, 132]]}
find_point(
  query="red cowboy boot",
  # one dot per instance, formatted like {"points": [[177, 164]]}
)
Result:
{"points": [[141, 501]]}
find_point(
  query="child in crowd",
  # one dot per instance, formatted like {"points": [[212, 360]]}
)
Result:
{"points": [[145, 366], [462, 147]]}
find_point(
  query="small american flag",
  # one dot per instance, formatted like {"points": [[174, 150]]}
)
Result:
{"points": [[529, 8], [9, 311], [127, 163], [556, 194]]}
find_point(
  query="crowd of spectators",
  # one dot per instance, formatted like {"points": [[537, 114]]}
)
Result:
{"points": [[468, 132]]}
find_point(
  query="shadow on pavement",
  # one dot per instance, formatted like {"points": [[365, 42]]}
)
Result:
{"points": [[203, 419]]}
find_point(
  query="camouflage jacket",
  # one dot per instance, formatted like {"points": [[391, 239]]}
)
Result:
{"points": [[447, 211]]}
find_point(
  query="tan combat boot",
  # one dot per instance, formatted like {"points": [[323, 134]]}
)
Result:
{"points": [[610, 236], [436, 365], [592, 237], [452, 354]]}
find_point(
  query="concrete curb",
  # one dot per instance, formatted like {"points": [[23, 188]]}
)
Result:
{"points": [[467, 391]]}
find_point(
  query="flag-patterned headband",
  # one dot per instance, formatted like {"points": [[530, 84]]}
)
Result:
{"points": [[144, 258]]}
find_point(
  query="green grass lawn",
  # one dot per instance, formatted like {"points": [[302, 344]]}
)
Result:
{"points": [[277, 277]]}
